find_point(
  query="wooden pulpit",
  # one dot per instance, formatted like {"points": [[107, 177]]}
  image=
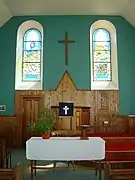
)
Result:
{"points": [[81, 117]]}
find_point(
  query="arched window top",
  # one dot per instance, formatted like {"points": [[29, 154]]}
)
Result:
{"points": [[103, 51], [32, 35], [101, 35], [32, 40]]}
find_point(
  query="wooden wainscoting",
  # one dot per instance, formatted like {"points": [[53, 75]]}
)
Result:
{"points": [[10, 127], [10, 130], [66, 91], [98, 108], [102, 114], [131, 124], [111, 123]]}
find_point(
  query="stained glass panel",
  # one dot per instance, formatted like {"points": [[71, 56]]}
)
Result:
{"points": [[31, 71], [102, 71], [101, 46], [101, 35], [31, 56], [32, 35], [33, 45], [101, 56]]}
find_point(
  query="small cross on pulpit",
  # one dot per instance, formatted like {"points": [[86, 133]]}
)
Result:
{"points": [[66, 42], [66, 110]]}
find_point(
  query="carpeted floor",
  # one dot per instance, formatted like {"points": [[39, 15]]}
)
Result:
{"points": [[81, 173]]}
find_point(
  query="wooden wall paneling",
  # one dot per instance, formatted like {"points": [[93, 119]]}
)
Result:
{"points": [[62, 123], [104, 101], [81, 117], [131, 124], [85, 115], [68, 92], [77, 116], [18, 112], [121, 124], [9, 130], [104, 107], [58, 123]]}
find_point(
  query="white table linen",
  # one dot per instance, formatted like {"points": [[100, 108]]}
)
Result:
{"points": [[65, 149]]}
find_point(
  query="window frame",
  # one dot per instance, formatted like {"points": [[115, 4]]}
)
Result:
{"points": [[34, 50], [105, 85]]}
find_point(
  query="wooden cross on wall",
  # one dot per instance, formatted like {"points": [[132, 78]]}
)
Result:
{"points": [[66, 42]]}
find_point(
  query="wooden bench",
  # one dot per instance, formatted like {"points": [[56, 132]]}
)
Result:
{"points": [[5, 156], [114, 174], [11, 173], [119, 151]]}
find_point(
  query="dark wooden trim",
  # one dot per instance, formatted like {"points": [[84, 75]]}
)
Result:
{"points": [[84, 107], [14, 116]]}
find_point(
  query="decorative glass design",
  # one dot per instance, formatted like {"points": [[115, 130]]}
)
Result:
{"points": [[101, 55], [31, 64]]}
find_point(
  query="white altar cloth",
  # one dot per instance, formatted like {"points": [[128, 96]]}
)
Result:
{"points": [[65, 149]]}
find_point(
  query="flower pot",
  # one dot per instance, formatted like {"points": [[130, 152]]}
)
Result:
{"points": [[46, 135]]}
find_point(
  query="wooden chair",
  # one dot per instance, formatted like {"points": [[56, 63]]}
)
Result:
{"points": [[11, 173]]}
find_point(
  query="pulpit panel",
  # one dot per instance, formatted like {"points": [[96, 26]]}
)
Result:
{"points": [[81, 117], [56, 111], [77, 117], [85, 116]]}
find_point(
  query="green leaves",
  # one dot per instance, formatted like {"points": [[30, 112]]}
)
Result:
{"points": [[45, 122]]}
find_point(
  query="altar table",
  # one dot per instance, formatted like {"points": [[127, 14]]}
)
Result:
{"points": [[64, 149]]}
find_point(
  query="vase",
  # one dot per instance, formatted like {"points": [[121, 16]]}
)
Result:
{"points": [[46, 135]]}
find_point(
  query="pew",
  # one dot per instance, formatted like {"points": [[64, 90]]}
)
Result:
{"points": [[115, 174], [14, 173], [120, 150], [5, 156], [2, 155]]}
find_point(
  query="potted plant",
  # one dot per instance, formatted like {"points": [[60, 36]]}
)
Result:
{"points": [[44, 123]]}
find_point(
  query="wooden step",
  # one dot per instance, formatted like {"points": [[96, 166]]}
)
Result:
{"points": [[123, 171]]}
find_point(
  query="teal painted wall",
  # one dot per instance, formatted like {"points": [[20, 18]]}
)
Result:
{"points": [[79, 56]]}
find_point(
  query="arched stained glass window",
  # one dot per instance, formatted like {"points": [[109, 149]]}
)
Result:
{"points": [[31, 58], [101, 55]]}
